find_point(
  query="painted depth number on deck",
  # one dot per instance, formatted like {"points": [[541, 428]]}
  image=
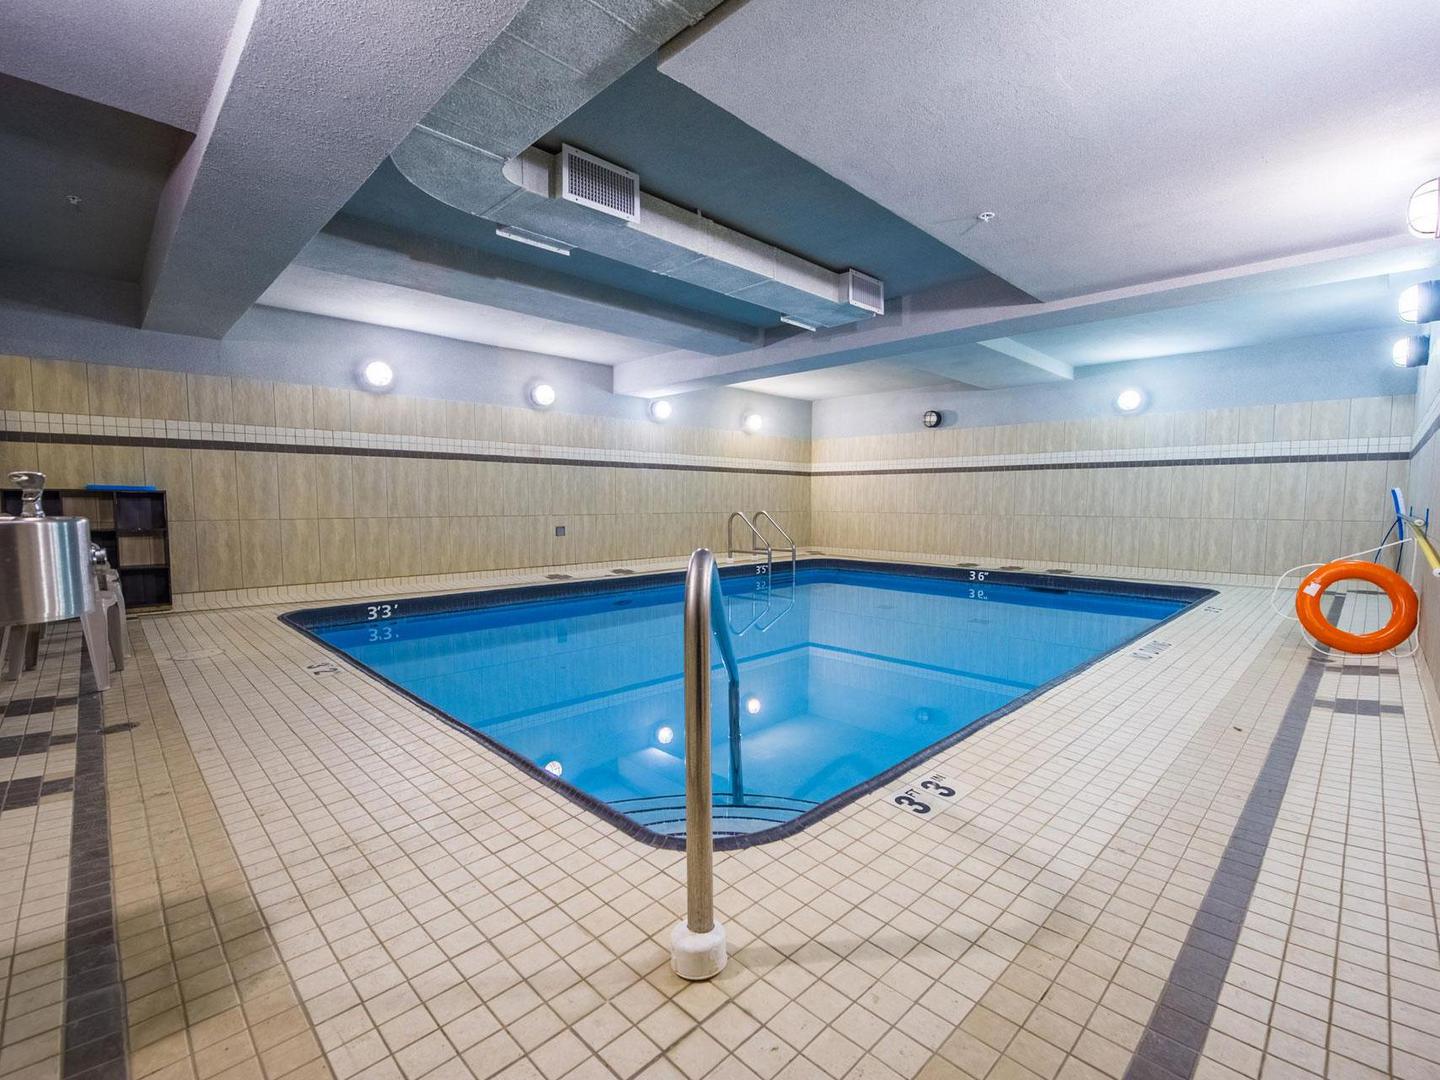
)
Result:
{"points": [[932, 794]]}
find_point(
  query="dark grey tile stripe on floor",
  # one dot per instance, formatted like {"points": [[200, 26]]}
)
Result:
{"points": [[1170, 1047], [94, 1034]]}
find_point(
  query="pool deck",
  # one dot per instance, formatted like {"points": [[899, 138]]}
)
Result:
{"points": [[1213, 859]]}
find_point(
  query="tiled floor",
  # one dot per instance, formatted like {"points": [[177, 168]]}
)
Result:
{"points": [[313, 877]]}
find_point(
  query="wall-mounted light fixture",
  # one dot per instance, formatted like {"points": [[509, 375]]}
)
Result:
{"points": [[1131, 400], [1420, 303], [752, 422], [1411, 351], [377, 375], [542, 395], [930, 419], [660, 410], [1424, 212]]}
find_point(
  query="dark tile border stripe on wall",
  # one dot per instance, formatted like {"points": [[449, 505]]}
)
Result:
{"points": [[378, 451], [670, 466], [94, 1043], [1128, 463], [1171, 1044]]}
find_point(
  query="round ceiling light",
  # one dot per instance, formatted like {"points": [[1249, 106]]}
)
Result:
{"points": [[377, 375], [752, 422], [1130, 400], [660, 409], [1424, 215], [542, 395]]}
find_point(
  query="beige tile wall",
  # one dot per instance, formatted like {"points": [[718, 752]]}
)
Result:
{"points": [[1424, 494], [245, 519], [249, 519], [1256, 518]]}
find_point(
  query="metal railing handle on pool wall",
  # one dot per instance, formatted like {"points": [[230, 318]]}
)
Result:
{"points": [[697, 945]]}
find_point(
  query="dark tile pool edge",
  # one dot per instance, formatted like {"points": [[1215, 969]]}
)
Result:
{"points": [[1194, 595], [305, 619]]}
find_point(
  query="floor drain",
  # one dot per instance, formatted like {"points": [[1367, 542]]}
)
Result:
{"points": [[196, 654], [321, 667], [559, 577], [1010, 568], [1057, 570], [967, 564], [622, 570]]}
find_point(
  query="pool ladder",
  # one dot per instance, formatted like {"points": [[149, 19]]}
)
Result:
{"points": [[760, 544], [697, 944]]}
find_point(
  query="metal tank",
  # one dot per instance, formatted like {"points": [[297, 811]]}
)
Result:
{"points": [[45, 568]]}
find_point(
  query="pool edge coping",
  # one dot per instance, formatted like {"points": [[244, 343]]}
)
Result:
{"points": [[1195, 594]]}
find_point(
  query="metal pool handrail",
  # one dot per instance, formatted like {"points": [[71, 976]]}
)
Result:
{"points": [[759, 536], [698, 943], [783, 534]]}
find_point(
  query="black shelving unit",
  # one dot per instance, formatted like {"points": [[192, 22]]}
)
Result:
{"points": [[131, 526]]}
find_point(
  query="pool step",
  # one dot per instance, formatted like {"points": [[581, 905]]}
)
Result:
{"points": [[665, 814]]}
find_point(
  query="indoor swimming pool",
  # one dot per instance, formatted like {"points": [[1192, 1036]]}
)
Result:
{"points": [[850, 674]]}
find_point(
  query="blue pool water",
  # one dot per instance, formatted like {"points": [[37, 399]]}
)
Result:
{"points": [[845, 674]]}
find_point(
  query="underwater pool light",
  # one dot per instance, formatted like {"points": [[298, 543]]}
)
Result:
{"points": [[664, 735], [1413, 351], [1420, 303], [1424, 215], [752, 704], [542, 395], [377, 375], [1130, 400], [554, 768], [660, 409], [752, 422]]}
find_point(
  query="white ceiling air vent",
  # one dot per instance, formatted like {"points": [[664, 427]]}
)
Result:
{"points": [[591, 181], [864, 292]]}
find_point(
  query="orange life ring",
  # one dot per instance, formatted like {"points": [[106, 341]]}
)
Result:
{"points": [[1404, 607]]}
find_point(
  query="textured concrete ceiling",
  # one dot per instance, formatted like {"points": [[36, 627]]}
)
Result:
{"points": [[55, 147], [311, 97], [1116, 143], [154, 59]]}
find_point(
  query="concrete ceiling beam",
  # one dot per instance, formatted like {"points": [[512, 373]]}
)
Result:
{"points": [[986, 309], [311, 96]]}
